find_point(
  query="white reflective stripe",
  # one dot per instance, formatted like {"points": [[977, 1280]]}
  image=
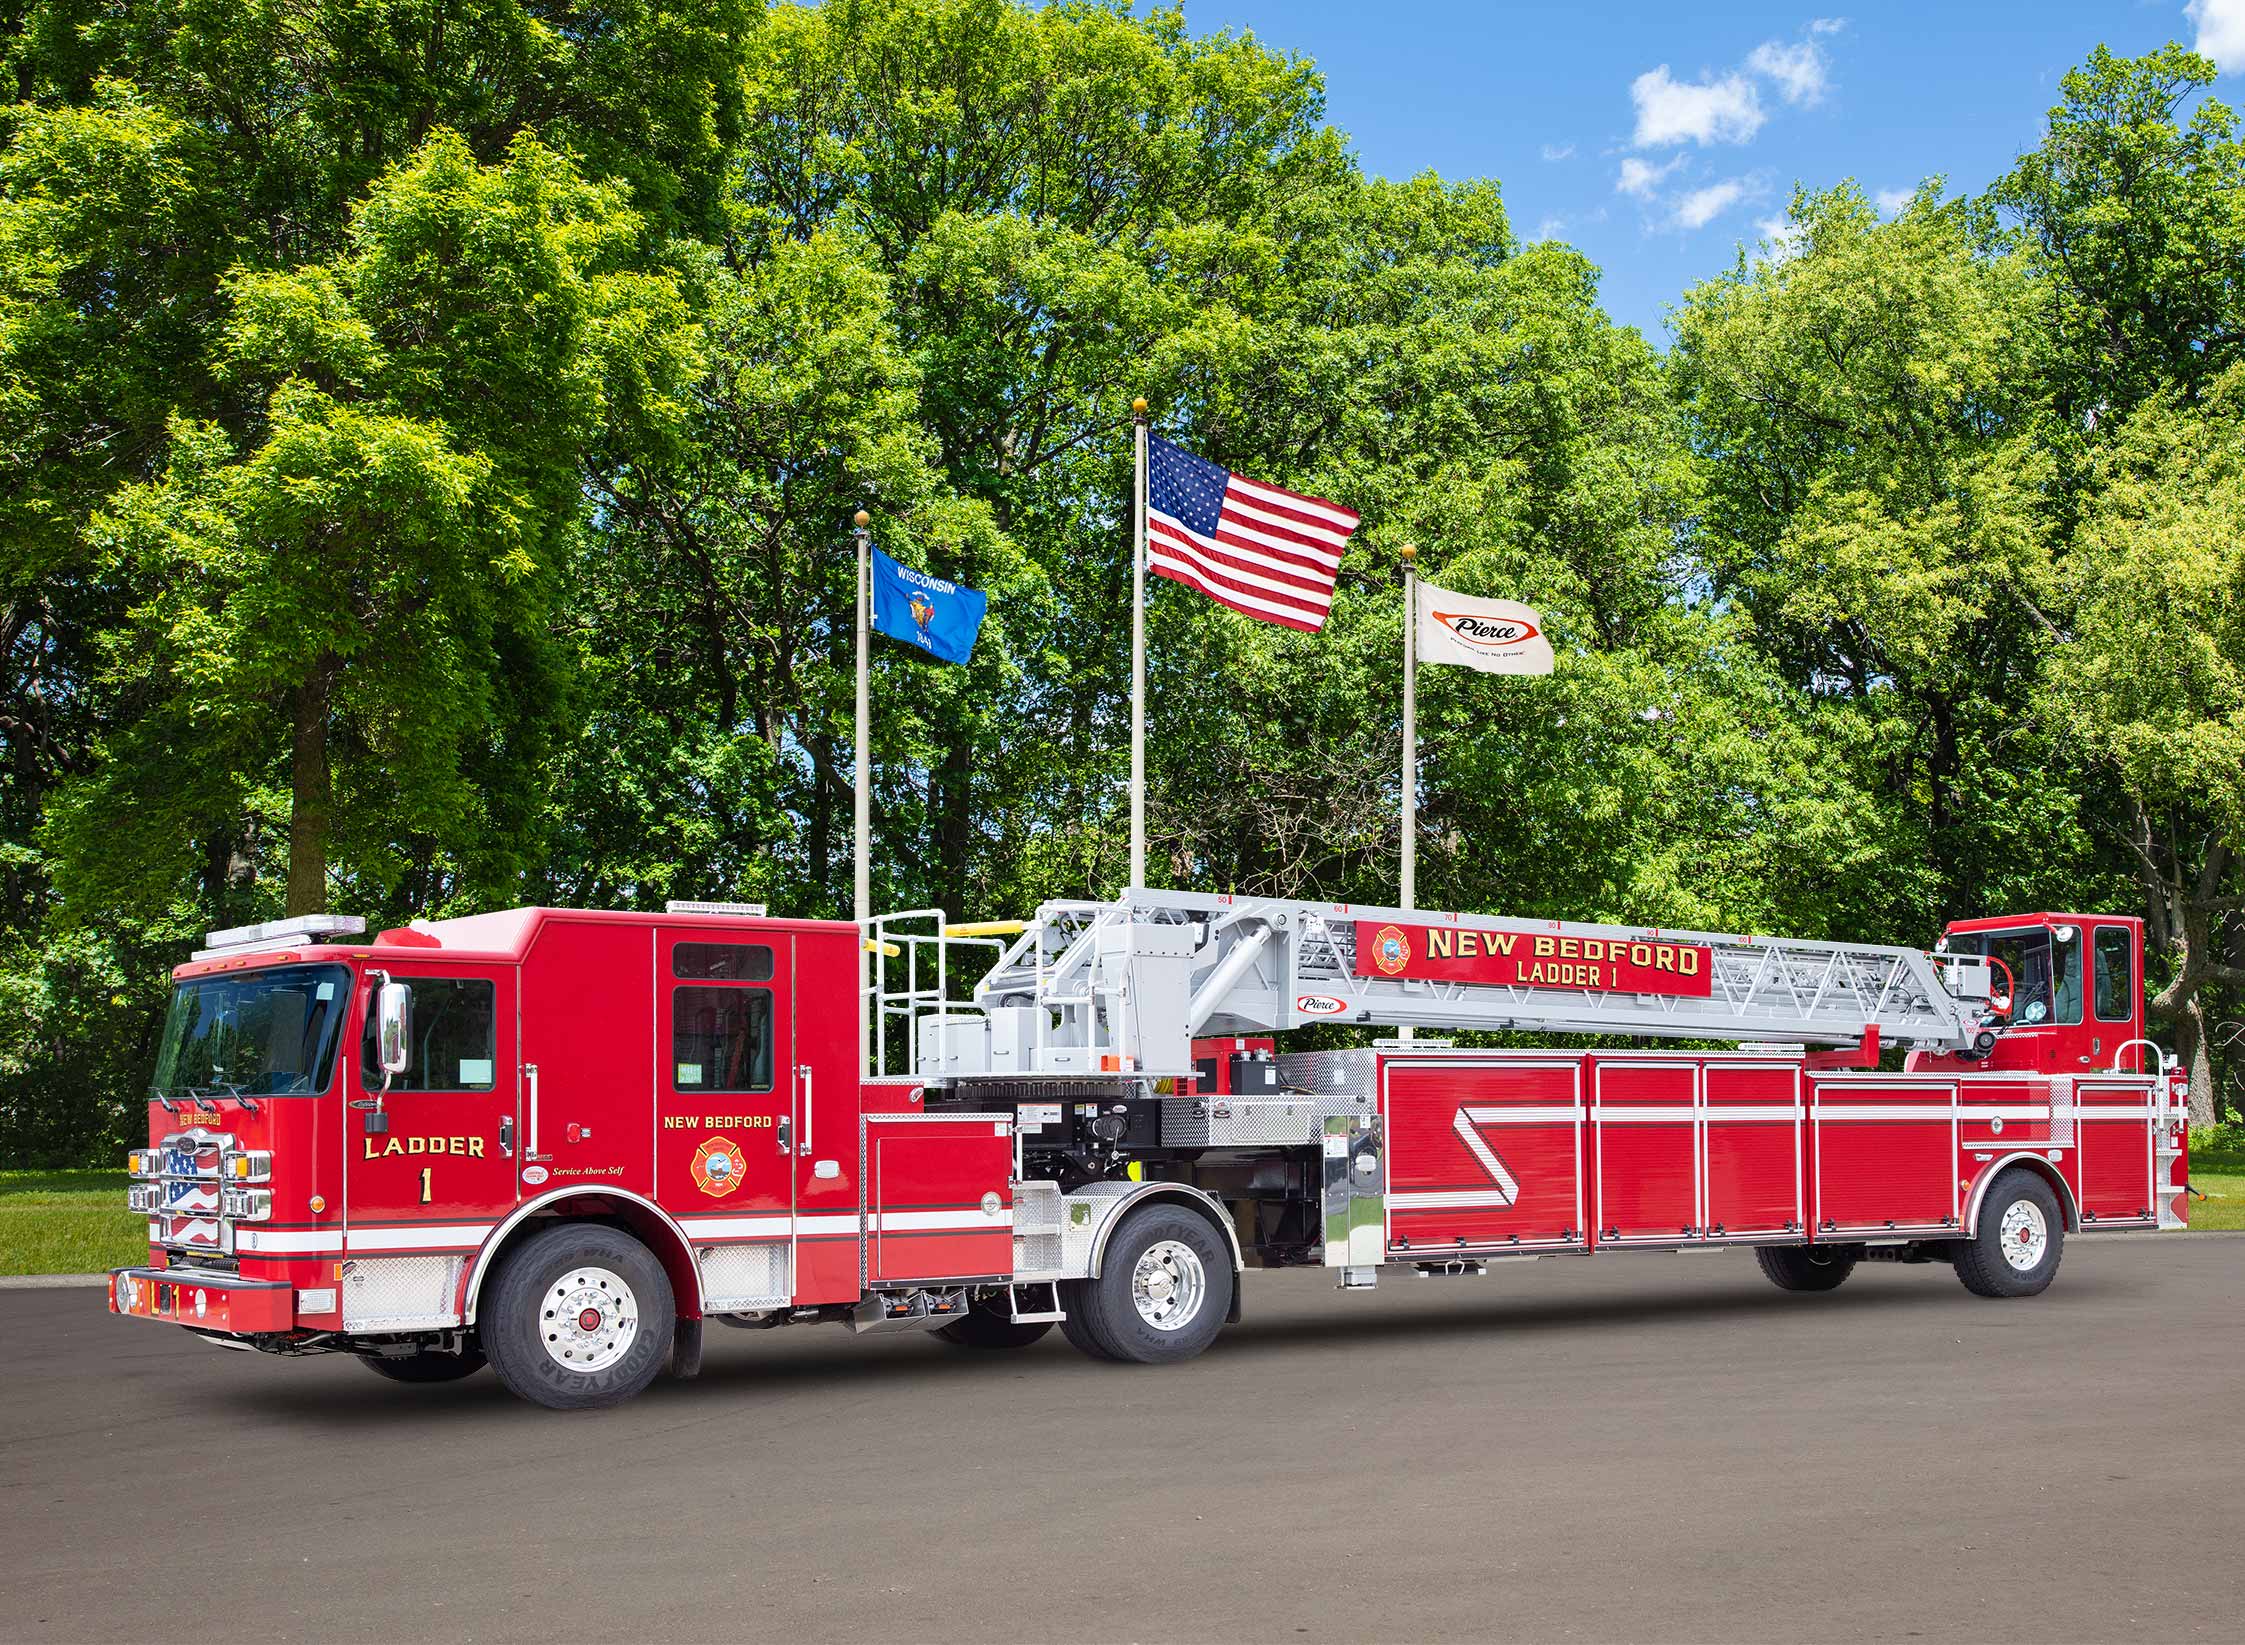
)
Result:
{"points": [[1555, 1114], [2087, 1112], [1882, 1110], [1730, 1112], [2032, 1111], [916, 1222], [417, 1239], [1508, 1189], [314, 1241], [1646, 1114], [825, 1223], [1448, 1199], [743, 1227]]}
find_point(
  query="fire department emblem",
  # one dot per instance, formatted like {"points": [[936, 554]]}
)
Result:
{"points": [[718, 1166], [1391, 950]]}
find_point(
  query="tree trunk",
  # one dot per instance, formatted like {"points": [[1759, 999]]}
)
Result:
{"points": [[313, 795], [2197, 1055]]}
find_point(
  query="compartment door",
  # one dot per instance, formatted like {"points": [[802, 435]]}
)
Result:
{"points": [[1483, 1156], [1885, 1156], [938, 1198], [2113, 1125], [1647, 1114], [1751, 1121]]}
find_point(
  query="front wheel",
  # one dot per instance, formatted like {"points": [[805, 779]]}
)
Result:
{"points": [[2022, 1235], [1163, 1291], [579, 1316]]}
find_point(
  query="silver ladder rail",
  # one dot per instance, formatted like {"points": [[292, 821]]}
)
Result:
{"points": [[1252, 963], [923, 957]]}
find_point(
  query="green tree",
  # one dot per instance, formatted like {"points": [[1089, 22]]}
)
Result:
{"points": [[2152, 681]]}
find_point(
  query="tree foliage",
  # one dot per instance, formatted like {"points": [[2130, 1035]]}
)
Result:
{"points": [[428, 434]]}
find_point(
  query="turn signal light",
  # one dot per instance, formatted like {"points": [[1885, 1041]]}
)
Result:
{"points": [[145, 1162]]}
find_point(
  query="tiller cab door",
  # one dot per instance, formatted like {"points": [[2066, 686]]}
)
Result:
{"points": [[429, 1163]]}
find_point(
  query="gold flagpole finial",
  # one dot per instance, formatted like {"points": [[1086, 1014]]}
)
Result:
{"points": [[1407, 553], [861, 519], [1138, 408]]}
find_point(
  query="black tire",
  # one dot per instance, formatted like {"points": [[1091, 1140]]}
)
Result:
{"points": [[1107, 1312], [989, 1328], [611, 1280], [425, 1367], [1074, 1326], [1982, 1261], [1807, 1267]]}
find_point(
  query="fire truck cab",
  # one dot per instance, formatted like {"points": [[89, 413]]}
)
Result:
{"points": [[558, 1141]]}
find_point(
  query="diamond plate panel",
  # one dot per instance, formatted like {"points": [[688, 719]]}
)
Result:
{"points": [[735, 1277], [400, 1293]]}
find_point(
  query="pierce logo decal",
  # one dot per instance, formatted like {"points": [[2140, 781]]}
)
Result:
{"points": [[718, 1166], [1488, 633], [1319, 1005]]}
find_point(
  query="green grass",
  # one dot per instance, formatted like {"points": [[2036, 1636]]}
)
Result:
{"points": [[67, 1222], [2224, 1204]]}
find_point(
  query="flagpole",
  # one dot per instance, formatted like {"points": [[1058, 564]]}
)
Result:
{"points": [[864, 784], [1408, 553], [1138, 649]]}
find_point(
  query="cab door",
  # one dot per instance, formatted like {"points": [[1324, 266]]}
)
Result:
{"points": [[429, 1165], [726, 1121]]}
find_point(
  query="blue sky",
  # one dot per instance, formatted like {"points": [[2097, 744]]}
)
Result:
{"points": [[1656, 137]]}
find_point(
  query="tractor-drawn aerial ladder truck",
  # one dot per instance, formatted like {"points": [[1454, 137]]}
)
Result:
{"points": [[560, 1141]]}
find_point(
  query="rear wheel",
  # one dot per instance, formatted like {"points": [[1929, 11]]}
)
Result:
{"points": [[579, 1316], [2022, 1235], [425, 1367], [1807, 1267], [1164, 1288], [990, 1328]]}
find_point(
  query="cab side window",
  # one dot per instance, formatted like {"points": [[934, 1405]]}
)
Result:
{"points": [[721, 1035], [454, 1038], [2116, 987]]}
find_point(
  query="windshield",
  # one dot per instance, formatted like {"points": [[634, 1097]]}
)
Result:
{"points": [[259, 1033], [2046, 975]]}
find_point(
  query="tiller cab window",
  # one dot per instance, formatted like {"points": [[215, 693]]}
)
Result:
{"points": [[2045, 974], [268, 1034]]}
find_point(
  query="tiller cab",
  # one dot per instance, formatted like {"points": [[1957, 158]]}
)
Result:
{"points": [[560, 1141]]}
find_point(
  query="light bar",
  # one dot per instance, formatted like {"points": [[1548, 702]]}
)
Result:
{"points": [[242, 939], [740, 910]]}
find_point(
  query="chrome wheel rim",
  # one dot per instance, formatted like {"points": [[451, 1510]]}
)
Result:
{"points": [[1169, 1285], [589, 1320], [2025, 1234]]}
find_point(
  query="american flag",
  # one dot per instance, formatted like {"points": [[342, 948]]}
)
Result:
{"points": [[1257, 548]]}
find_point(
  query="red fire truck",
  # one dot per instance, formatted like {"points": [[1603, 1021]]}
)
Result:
{"points": [[559, 1141]]}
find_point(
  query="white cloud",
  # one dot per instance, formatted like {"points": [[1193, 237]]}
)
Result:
{"points": [[1559, 151], [1892, 200], [1797, 69], [1784, 237], [1641, 177], [2221, 32], [1698, 207], [1670, 111], [1826, 25]]}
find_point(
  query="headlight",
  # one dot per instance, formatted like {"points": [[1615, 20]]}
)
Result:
{"points": [[145, 1196], [249, 1204]]}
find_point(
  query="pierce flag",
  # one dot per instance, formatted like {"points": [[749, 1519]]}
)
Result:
{"points": [[940, 617], [1494, 636]]}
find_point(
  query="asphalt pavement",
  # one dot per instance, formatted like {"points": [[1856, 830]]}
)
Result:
{"points": [[1636, 1447]]}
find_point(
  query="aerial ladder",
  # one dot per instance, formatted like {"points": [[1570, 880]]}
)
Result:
{"points": [[1125, 986]]}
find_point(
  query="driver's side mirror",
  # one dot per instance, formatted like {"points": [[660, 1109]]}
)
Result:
{"points": [[393, 1035]]}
